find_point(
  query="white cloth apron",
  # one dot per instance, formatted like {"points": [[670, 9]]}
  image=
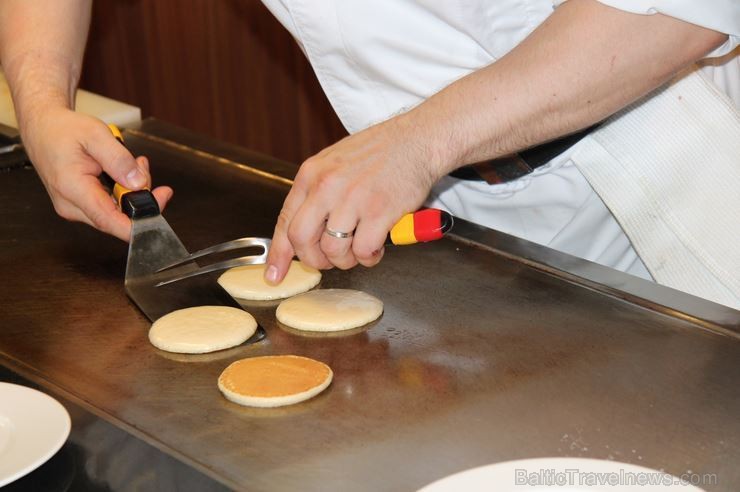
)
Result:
{"points": [[668, 167], [375, 59]]}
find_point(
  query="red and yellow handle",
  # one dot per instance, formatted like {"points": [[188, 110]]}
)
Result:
{"points": [[421, 226]]}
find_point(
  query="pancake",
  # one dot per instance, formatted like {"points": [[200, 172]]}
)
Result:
{"points": [[248, 282], [274, 380], [329, 310], [202, 329]]}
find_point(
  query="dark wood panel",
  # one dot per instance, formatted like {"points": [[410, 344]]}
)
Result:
{"points": [[224, 68]]}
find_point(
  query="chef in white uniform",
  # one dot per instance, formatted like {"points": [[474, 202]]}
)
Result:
{"points": [[372, 73], [425, 87]]}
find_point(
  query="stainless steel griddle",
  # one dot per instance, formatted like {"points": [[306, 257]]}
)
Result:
{"points": [[490, 348]]}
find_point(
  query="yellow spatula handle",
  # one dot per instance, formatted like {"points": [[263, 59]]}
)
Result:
{"points": [[118, 190], [135, 204]]}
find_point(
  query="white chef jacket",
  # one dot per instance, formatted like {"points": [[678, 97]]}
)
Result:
{"points": [[376, 59]]}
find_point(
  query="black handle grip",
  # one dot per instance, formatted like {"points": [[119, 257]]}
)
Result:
{"points": [[139, 204]]}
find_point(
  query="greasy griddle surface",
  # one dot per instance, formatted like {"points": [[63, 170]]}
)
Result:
{"points": [[476, 359]]}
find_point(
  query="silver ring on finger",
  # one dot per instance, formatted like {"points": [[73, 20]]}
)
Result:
{"points": [[339, 234]]}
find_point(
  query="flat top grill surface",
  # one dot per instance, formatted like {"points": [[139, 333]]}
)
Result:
{"points": [[482, 354]]}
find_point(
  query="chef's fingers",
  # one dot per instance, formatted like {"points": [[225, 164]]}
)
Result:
{"points": [[143, 163], [369, 239], [115, 159], [338, 250], [163, 194], [119, 224], [281, 250], [305, 231], [90, 203]]}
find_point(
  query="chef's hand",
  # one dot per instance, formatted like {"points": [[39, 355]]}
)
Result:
{"points": [[69, 151], [363, 184]]}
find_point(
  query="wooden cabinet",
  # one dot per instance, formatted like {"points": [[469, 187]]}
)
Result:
{"points": [[224, 68]]}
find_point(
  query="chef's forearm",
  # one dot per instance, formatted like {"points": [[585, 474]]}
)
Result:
{"points": [[42, 43], [584, 63]]}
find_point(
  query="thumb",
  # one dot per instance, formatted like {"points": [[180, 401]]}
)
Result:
{"points": [[116, 160]]}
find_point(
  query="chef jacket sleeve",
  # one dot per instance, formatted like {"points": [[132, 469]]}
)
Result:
{"points": [[719, 15]]}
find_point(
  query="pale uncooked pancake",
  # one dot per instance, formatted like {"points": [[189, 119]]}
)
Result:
{"points": [[329, 310], [248, 282], [202, 329], [274, 380]]}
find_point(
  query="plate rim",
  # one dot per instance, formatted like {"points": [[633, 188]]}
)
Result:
{"points": [[65, 426], [552, 462]]}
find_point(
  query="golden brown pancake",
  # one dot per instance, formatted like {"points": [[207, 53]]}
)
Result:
{"points": [[274, 380]]}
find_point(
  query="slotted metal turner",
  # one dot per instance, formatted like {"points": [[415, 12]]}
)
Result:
{"points": [[154, 245], [241, 243]]}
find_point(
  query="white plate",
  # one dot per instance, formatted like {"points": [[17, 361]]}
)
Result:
{"points": [[33, 426], [560, 475]]}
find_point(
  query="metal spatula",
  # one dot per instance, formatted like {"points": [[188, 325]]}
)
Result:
{"points": [[154, 245]]}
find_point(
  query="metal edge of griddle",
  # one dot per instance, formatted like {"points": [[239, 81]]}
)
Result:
{"points": [[32, 375], [650, 295], [709, 315], [221, 153]]}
